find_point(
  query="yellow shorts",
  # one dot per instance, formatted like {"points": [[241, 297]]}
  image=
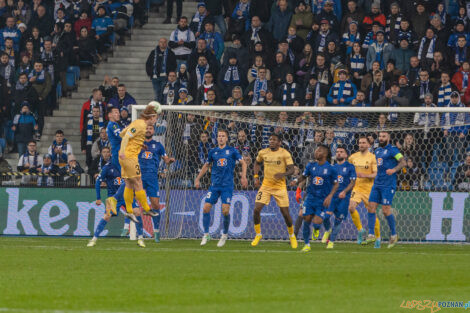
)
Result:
{"points": [[130, 168], [359, 197], [280, 195]]}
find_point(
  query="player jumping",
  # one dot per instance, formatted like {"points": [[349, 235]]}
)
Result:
{"points": [[366, 170], [149, 160], [112, 176], [223, 159], [389, 162], [323, 184], [340, 202], [278, 165]]}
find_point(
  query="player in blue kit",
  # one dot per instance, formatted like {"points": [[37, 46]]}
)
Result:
{"points": [[111, 175], [389, 162], [323, 184], [149, 161], [223, 159], [340, 203]]}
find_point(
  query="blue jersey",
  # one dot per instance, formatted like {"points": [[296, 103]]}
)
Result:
{"points": [[346, 174], [387, 158], [114, 130], [223, 163], [149, 159], [100, 24], [111, 175], [322, 179]]}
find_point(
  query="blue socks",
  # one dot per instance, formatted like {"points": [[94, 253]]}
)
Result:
{"points": [[336, 228], [140, 226], [100, 227], [306, 232], [156, 221], [326, 222], [226, 223], [316, 226], [119, 195], [392, 224], [371, 222], [206, 221]]}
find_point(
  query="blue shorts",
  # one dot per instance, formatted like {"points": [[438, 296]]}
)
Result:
{"points": [[313, 206], [339, 207], [150, 183], [215, 193], [382, 195]]}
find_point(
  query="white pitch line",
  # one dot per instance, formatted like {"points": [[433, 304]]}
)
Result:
{"points": [[19, 310], [203, 250]]}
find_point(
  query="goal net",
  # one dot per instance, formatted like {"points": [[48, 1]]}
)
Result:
{"points": [[432, 202]]}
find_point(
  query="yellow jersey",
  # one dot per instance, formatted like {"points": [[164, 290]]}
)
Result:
{"points": [[274, 162], [364, 164], [136, 131]]}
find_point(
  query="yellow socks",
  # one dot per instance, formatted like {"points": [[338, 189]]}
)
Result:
{"points": [[258, 229], [357, 220], [377, 228], [142, 198], [129, 198], [290, 230]]}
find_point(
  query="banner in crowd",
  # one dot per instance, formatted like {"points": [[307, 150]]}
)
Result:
{"points": [[421, 216]]}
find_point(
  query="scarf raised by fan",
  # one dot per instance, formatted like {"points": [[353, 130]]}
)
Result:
{"points": [[231, 75]]}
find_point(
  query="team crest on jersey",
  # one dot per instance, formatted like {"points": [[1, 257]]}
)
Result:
{"points": [[222, 162], [380, 161], [147, 155], [340, 179], [318, 181]]}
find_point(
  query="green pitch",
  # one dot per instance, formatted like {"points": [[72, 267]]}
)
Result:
{"points": [[63, 275]]}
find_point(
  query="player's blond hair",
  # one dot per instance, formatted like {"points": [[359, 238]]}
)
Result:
{"points": [[149, 112]]}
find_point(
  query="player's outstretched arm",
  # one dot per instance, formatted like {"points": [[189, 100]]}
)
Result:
{"points": [[203, 171]]}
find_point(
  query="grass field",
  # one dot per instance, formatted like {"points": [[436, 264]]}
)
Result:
{"points": [[63, 275]]}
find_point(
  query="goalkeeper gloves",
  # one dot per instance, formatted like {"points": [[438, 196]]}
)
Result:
{"points": [[298, 195]]}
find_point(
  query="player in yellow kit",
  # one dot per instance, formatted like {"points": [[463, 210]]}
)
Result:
{"points": [[278, 165], [366, 170], [133, 138]]}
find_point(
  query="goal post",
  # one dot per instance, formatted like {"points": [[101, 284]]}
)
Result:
{"points": [[432, 201]]}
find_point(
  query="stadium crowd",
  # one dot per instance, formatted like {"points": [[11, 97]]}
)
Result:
{"points": [[318, 53]]}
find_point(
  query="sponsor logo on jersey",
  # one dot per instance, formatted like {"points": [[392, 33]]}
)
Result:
{"points": [[147, 155], [222, 162], [380, 161], [317, 181], [340, 179], [118, 181]]}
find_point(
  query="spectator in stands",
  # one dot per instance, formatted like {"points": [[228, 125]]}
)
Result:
{"points": [[237, 99], [29, 162], [242, 144], [409, 178], [302, 19], [460, 78], [374, 16], [199, 19], [252, 72], [184, 98], [170, 89], [103, 27], [379, 51], [121, 14], [257, 89], [83, 21], [289, 91], [94, 124], [126, 119], [461, 180], [7, 70], [182, 40], [429, 134], [25, 127], [42, 21], [343, 92], [201, 49], [427, 47], [196, 75], [122, 99], [310, 146], [87, 55], [47, 168], [71, 172], [159, 63], [60, 149], [22, 12], [443, 92], [104, 156], [402, 55], [42, 83], [214, 41], [231, 75], [279, 71], [393, 98], [10, 31], [239, 20], [257, 34], [215, 9], [325, 35], [422, 87], [211, 98], [241, 53], [169, 10], [109, 87], [99, 144], [94, 101], [279, 20]]}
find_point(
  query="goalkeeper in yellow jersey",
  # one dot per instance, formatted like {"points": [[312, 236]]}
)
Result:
{"points": [[278, 165], [366, 170]]}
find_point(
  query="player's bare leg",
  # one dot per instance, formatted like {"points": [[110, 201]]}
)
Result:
{"points": [[361, 232], [257, 223], [306, 233], [206, 220], [290, 228], [390, 217], [298, 223], [226, 214]]}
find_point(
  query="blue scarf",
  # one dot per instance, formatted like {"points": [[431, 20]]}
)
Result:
{"points": [[198, 18], [188, 35], [231, 75], [254, 72], [430, 52], [259, 85], [464, 79], [200, 71], [26, 158], [40, 76], [347, 90], [379, 54], [443, 96], [89, 129], [284, 93], [460, 54], [357, 63], [165, 55], [210, 40], [396, 26], [352, 38], [59, 158]]}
